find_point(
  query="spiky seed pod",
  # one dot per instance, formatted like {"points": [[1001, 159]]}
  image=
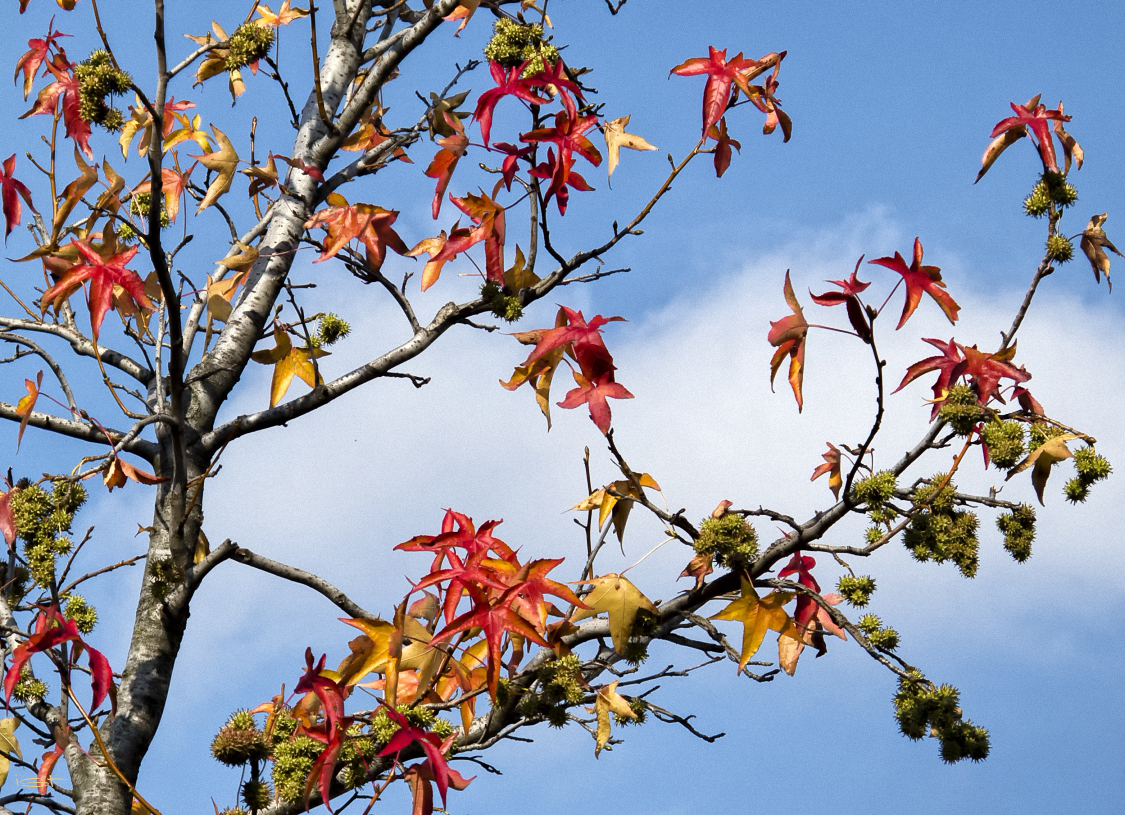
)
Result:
{"points": [[558, 716], [1059, 189], [636, 652], [97, 79], [1059, 249], [256, 795], [1090, 466], [239, 742], [84, 615], [29, 689], [962, 410], [1039, 202], [292, 762], [876, 490], [856, 591], [869, 624], [732, 541], [330, 329], [1018, 527], [939, 532], [1005, 443], [248, 44], [885, 639]]}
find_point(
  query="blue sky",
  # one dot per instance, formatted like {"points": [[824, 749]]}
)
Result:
{"points": [[892, 108]]}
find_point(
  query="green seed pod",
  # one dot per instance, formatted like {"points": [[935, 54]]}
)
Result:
{"points": [[248, 44], [558, 716], [1005, 443], [84, 615], [886, 639], [876, 490], [236, 746], [869, 624], [732, 541], [856, 591], [29, 689], [1019, 531], [330, 329], [1090, 466], [1059, 249], [292, 762], [1039, 202]]}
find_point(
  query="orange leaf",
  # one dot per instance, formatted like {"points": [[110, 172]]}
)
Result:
{"points": [[27, 404], [120, 470]]}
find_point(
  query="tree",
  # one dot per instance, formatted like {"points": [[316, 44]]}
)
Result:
{"points": [[491, 638]]}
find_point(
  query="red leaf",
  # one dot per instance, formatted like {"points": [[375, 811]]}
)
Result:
{"points": [[103, 275], [328, 691], [452, 149], [370, 225], [722, 149], [1035, 118], [569, 135], [920, 279], [594, 393], [12, 191], [507, 84], [7, 520], [721, 76], [831, 467], [852, 287], [39, 51], [64, 88], [46, 766], [806, 607]]}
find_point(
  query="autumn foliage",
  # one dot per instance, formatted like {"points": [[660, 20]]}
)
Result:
{"points": [[487, 640]]}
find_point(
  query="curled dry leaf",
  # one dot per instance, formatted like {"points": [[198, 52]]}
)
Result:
{"points": [[1042, 458], [609, 701], [1094, 243], [616, 138]]}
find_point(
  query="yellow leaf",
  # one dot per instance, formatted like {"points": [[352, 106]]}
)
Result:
{"points": [[284, 16], [288, 362], [621, 600], [609, 701], [369, 653], [9, 746], [518, 277], [758, 616], [616, 138], [616, 500], [224, 162], [1042, 458]]}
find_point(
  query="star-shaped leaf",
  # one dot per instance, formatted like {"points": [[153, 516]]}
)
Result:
{"points": [[609, 701], [758, 616], [288, 362], [616, 138], [920, 280], [223, 162], [621, 600]]}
